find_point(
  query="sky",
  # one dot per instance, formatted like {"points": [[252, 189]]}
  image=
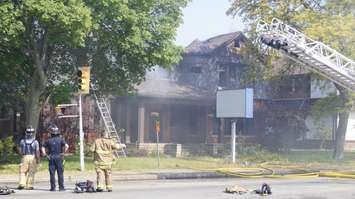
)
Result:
{"points": [[204, 19]]}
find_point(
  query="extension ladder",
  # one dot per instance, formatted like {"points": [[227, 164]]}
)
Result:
{"points": [[108, 122], [317, 56]]}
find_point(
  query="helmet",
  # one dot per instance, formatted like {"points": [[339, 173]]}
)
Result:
{"points": [[53, 129], [104, 134], [30, 131]]}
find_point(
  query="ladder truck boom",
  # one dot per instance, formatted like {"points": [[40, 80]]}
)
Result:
{"points": [[315, 55]]}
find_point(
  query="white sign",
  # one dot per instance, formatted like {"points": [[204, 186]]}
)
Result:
{"points": [[235, 103]]}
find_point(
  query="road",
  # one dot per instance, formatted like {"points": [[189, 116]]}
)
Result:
{"points": [[319, 188]]}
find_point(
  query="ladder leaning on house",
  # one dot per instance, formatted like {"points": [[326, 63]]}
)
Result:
{"points": [[315, 55], [108, 122]]}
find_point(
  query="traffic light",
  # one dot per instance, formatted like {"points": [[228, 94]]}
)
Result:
{"points": [[84, 79]]}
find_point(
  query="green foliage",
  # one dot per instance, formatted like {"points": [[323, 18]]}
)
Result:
{"points": [[43, 42], [8, 145], [329, 21], [323, 133], [329, 105], [62, 94], [7, 149], [65, 22], [10, 27], [133, 36]]}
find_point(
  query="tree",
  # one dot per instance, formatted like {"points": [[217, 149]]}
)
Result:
{"points": [[329, 21], [45, 41]]}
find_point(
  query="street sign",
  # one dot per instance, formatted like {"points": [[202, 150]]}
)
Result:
{"points": [[157, 126], [235, 103]]}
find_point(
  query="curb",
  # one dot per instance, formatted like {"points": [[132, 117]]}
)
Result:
{"points": [[129, 177], [194, 175]]}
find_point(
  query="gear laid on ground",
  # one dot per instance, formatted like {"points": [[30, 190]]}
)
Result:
{"points": [[6, 190], [236, 189], [82, 187], [264, 191]]}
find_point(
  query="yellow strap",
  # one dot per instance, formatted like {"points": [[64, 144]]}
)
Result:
{"points": [[101, 163], [102, 151]]}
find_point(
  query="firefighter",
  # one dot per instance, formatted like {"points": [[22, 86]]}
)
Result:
{"points": [[54, 149], [29, 150], [103, 148]]}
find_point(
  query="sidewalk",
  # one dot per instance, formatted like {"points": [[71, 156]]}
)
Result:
{"points": [[154, 174], [72, 177]]}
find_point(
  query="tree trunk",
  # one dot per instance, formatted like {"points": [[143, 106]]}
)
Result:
{"points": [[340, 136], [34, 102], [340, 132]]}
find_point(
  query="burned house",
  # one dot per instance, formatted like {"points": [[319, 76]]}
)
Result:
{"points": [[183, 101]]}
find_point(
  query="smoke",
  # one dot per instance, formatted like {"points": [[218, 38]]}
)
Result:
{"points": [[158, 73]]}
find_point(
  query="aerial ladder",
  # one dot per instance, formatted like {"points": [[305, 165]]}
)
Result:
{"points": [[315, 55]]}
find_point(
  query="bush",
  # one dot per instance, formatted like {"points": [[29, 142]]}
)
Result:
{"points": [[6, 149]]}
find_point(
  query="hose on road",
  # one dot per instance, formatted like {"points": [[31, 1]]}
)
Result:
{"points": [[279, 170]]}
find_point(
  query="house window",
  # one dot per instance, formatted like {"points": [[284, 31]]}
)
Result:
{"points": [[236, 44], [233, 73], [196, 69], [222, 76], [293, 86]]}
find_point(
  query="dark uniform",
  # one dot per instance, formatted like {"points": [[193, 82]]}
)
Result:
{"points": [[56, 147]]}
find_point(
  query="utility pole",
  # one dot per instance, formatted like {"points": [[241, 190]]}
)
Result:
{"points": [[233, 137]]}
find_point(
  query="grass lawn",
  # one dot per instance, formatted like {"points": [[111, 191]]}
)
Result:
{"points": [[311, 158], [321, 158]]}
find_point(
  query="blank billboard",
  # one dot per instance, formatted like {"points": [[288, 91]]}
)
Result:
{"points": [[235, 103]]}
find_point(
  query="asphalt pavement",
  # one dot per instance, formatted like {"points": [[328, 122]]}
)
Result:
{"points": [[317, 188]]}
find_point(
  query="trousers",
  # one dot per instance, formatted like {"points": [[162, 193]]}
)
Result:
{"points": [[28, 169], [104, 176], [56, 165]]}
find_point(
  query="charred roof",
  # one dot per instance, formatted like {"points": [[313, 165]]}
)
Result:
{"points": [[210, 45], [159, 83]]}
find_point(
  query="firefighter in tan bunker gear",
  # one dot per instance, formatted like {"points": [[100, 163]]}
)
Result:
{"points": [[29, 149], [103, 148]]}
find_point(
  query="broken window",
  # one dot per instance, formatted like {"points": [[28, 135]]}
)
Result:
{"points": [[237, 44]]}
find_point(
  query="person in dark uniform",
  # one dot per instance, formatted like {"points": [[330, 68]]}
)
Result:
{"points": [[55, 147]]}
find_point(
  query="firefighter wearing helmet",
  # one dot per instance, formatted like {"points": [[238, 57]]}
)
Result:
{"points": [[103, 148], [54, 149], [29, 149]]}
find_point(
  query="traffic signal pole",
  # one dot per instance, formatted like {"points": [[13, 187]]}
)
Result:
{"points": [[84, 88], [81, 136]]}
